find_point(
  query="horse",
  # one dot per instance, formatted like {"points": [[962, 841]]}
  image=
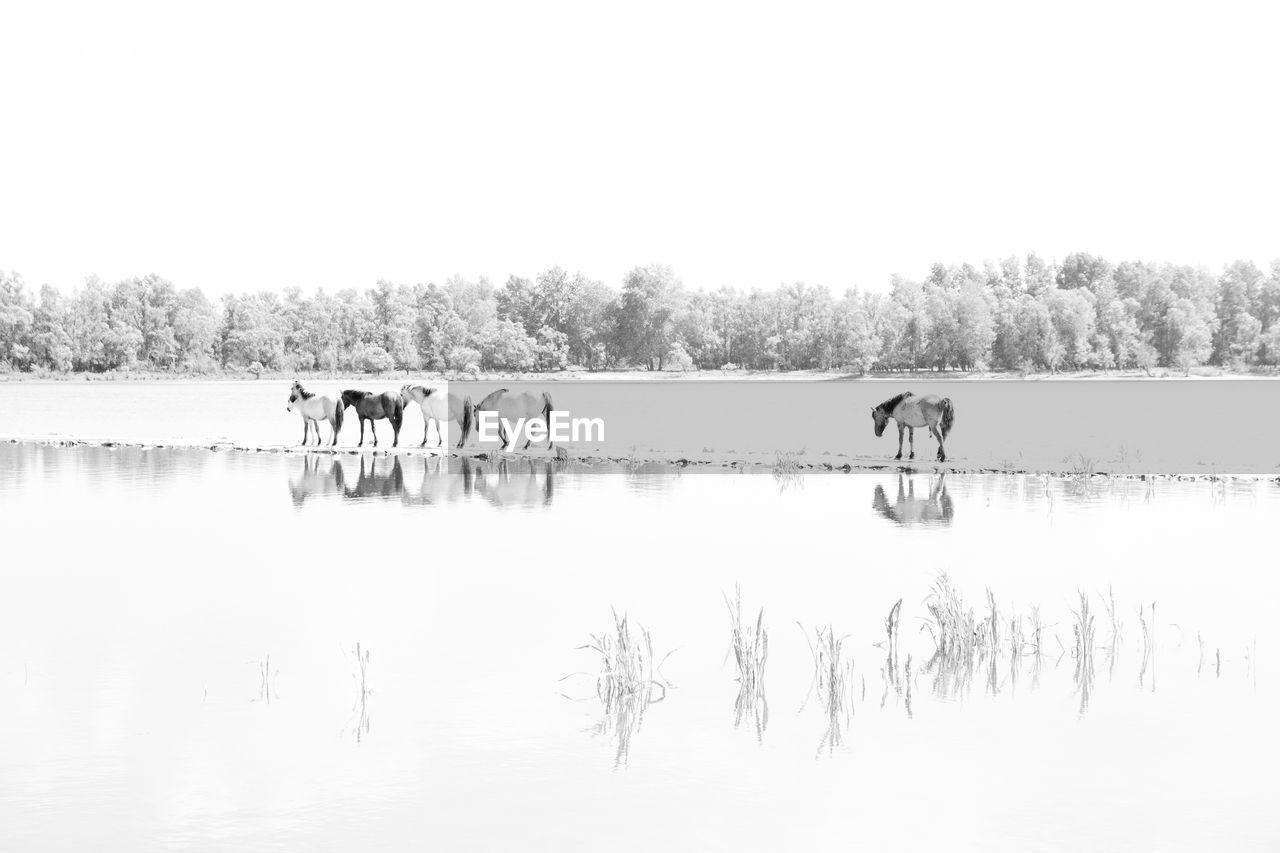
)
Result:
{"points": [[909, 510], [441, 408], [313, 410], [512, 407], [373, 407], [910, 411]]}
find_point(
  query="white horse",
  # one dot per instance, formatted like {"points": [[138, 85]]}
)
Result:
{"points": [[511, 408], [441, 408], [910, 412], [313, 410]]}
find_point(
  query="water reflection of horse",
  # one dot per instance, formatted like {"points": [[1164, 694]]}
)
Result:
{"points": [[909, 510], [370, 483], [512, 485], [443, 480], [319, 476], [425, 481]]}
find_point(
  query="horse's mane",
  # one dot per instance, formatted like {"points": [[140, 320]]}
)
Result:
{"points": [[355, 394], [489, 397], [302, 392], [892, 403]]}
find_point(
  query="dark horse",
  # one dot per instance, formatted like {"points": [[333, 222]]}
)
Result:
{"points": [[372, 407], [910, 411]]}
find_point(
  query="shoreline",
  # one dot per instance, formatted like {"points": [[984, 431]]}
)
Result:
{"points": [[1161, 375], [781, 464]]}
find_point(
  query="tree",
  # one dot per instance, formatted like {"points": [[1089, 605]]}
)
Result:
{"points": [[644, 321], [1189, 334], [195, 329], [89, 327], [503, 345], [50, 342], [394, 317], [1082, 270], [857, 341], [16, 318], [975, 325], [1239, 334], [1072, 315]]}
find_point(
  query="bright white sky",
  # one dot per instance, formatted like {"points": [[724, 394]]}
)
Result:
{"points": [[250, 147]]}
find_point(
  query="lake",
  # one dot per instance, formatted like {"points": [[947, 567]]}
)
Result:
{"points": [[234, 651], [1131, 427]]}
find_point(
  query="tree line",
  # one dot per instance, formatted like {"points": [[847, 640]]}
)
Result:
{"points": [[1025, 314]]}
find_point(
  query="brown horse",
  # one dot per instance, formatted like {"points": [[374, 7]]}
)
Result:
{"points": [[910, 411], [374, 407]]}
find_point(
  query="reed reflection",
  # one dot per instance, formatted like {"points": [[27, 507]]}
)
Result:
{"points": [[908, 510]]}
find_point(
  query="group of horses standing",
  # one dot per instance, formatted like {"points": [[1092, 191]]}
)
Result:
{"points": [[442, 408], [909, 411]]}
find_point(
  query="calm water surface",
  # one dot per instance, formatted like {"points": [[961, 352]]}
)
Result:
{"points": [[178, 670]]}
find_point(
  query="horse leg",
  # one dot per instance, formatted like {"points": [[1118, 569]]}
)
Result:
{"points": [[911, 433], [937, 433], [395, 426], [306, 431], [333, 427], [361, 444], [426, 429], [373, 430], [901, 430]]}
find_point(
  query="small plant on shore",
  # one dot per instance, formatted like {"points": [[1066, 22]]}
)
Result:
{"points": [[360, 676], [832, 677], [1148, 644], [787, 469], [1083, 631], [749, 646], [266, 679], [1081, 467], [892, 625], [627, 682]]}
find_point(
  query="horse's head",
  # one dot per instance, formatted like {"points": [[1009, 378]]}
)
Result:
{"points": [[406, 394], [879, 417], [296, 393]]}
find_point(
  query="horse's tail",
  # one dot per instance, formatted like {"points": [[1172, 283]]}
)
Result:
{"points": [[466, 419], [338, 409], [546, 414], [948, 416]]}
